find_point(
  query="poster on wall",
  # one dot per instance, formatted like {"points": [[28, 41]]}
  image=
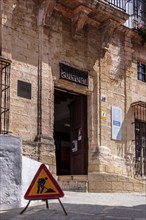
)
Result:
{"points": [[74, 145], [116, 123]]}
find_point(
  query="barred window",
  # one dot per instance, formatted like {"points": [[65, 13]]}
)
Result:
{"points": [[141, 71], [137, 13], [140, 146], [139, 10], [4, 95], [139, 108], [140, 138]]}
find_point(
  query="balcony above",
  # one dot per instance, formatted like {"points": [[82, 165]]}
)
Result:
{"points": [[98, 10], [136, 9], [99, 13], [119, 4]]}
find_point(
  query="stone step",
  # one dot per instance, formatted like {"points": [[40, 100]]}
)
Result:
{"points": [[74, 183], [101, 182]]}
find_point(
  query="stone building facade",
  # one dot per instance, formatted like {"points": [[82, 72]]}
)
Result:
{"points": [[73, 86]]}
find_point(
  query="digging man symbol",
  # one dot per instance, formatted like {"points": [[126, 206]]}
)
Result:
{"points": [[41, 186]]}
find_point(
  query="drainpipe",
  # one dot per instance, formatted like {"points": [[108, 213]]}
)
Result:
{"points": [[99, 101], [125, 107], [39, 82], [39, 92]]}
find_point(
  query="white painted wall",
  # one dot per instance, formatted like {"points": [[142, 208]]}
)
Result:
{"points": [[29, 169], [16, 173], [10, 171]]}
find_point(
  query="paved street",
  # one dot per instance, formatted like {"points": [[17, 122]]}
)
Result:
{"points": [[85, 206]]}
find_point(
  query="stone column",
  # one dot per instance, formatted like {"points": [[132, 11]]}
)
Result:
{"points": [[45, 142], [0, 28]]}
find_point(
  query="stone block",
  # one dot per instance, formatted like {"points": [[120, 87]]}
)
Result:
{"points": [[103, 187], [128, 186], [109, 169], [122, 179], [102, 168], [96, 177], [118, 186], [138, 187], [92, 186], [111, 178], [80, 178], [117, 170], [65, 178], [93, 168]]}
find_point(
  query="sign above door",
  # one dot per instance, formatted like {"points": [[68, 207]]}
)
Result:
{"points": [[73, 74]]}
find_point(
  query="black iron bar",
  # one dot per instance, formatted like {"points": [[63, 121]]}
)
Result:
{"points": [[5, 99], [62, 206], [47, 204], [118, 4], [25, 207]]}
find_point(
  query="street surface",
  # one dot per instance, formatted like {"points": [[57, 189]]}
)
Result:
{"points": [[85, 206]]}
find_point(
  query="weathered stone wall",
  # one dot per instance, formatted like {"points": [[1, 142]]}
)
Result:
{"points": [[20, 44], [105, 182], [119, 83], [24, 44], [36, 50]]}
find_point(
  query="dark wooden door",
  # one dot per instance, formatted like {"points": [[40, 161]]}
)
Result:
{"points": [[79, 142]]}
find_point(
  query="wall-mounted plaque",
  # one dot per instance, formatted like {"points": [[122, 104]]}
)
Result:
{"points": [[24, 89], [116, 123], [73, 74], [103, 113]]}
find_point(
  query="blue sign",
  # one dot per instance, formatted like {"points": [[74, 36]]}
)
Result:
{"points": [[116, 123]]}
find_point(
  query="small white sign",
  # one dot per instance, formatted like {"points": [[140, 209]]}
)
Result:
{"points": [[74, 145], [116, 123]]}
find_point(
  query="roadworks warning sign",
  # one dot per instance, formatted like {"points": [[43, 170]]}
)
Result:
{"points": [[43, 186]]}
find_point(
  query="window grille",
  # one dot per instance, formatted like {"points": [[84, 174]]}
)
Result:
{"points": [[139, 8], [121, 4], [141, 71], [137, 13], [140, 137], [4, 95]]}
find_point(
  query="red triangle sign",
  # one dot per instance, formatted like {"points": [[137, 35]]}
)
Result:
{"points": [[43, 186]]}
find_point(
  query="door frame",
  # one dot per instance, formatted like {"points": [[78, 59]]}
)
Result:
{"points": [[84, 152]]}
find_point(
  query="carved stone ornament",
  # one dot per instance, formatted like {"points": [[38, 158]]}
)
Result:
{"points": [[107, 31], [46, 8], [80, 17]]}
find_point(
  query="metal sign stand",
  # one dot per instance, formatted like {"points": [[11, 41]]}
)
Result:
{"points": [[43, 180], [47, 206]]}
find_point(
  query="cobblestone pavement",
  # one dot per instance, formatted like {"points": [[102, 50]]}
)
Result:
{"points": [[85, 206]]}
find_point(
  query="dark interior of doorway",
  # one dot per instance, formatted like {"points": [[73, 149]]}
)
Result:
{"points": [[62, 100]]}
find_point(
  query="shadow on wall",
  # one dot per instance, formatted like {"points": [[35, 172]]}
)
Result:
{"points": [[130, 141]]}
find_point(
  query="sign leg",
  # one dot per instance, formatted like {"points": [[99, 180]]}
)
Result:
{"points": [[25, 207], [62, 206], [47, 204]]}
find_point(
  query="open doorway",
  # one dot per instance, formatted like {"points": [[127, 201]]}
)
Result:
{"points": [[70, 133]]}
